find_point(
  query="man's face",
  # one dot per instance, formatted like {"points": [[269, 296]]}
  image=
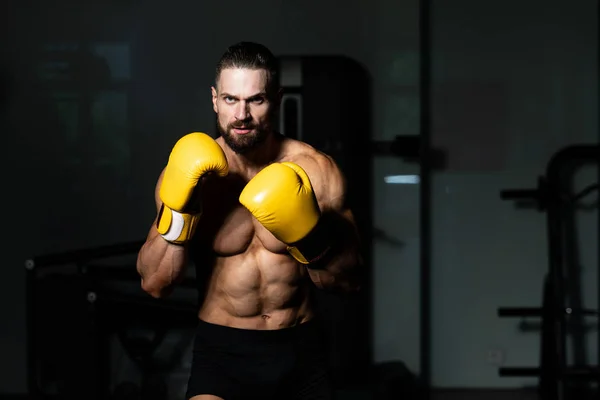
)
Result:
{"points": [[245, 114]]}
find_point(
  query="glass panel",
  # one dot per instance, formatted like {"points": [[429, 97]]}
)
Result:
{"points": [[396, 197], [116, 55], [92, 135], [396, 262], [110, 139], [67, 110]]}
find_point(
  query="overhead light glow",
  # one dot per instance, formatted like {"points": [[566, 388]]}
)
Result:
{"points": [[402, 179]]}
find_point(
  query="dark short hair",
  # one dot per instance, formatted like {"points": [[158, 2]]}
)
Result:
{"points": [[252, 56]]}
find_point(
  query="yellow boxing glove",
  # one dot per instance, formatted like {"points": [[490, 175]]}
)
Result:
{"points": [[193, 156], [281, 198]]}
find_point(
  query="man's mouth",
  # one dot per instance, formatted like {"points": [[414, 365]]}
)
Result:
{"points": [[242, 130]]}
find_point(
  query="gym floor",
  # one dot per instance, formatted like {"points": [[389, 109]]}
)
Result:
{"points": [[456, 394]]}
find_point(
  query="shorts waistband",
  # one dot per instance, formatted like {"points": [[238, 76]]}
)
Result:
{"points": [[229, 334]]}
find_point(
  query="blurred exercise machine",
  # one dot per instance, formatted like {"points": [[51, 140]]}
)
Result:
{"points": [[78, 308], [560, 304]]}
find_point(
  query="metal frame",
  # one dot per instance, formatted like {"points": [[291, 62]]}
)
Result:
{"points": [[425, 193], [33, 266], [554, 197]]}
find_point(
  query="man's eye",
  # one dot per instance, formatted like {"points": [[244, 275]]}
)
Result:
{"points": [[229, 99], [259, 100]]}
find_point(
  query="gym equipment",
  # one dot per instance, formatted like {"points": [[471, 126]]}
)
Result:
{"points": [[553, 196], [75, 306]]}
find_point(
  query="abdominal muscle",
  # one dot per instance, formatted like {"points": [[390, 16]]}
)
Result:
{"points": [[252, 282], [257, 289]]}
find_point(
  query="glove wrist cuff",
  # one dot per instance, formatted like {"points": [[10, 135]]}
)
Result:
{"points": [[176, 227], [314, 246]]}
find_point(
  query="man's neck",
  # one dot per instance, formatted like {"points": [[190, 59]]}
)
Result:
{"points": [[254, 160]]}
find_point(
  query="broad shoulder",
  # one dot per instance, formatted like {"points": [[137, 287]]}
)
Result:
{"points": [[326, 177]]}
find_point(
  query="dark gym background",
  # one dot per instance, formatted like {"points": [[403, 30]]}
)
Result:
{"points": [[467, 99]]}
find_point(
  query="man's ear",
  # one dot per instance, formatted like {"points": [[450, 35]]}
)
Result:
{"points": [[213, 91]]}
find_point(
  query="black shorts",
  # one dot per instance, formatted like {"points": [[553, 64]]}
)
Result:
{"points": [[280, 364]]}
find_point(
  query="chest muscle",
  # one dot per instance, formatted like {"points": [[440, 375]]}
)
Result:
{"points": [[226, 226]]}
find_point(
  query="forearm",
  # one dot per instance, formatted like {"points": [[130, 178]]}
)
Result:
{"points": [[161, 265], [335, 279], [341, 265], [162, 260], [341, 270]]}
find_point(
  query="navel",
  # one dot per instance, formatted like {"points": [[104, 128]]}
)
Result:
{"points": [[265, 317]]}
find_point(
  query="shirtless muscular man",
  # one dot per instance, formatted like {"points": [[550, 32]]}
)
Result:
{"points": [[263, 218]]}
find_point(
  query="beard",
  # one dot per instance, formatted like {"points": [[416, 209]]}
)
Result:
{"points": [[242, 144]]}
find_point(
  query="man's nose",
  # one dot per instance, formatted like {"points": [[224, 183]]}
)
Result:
{"points": [[242, 112]]}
